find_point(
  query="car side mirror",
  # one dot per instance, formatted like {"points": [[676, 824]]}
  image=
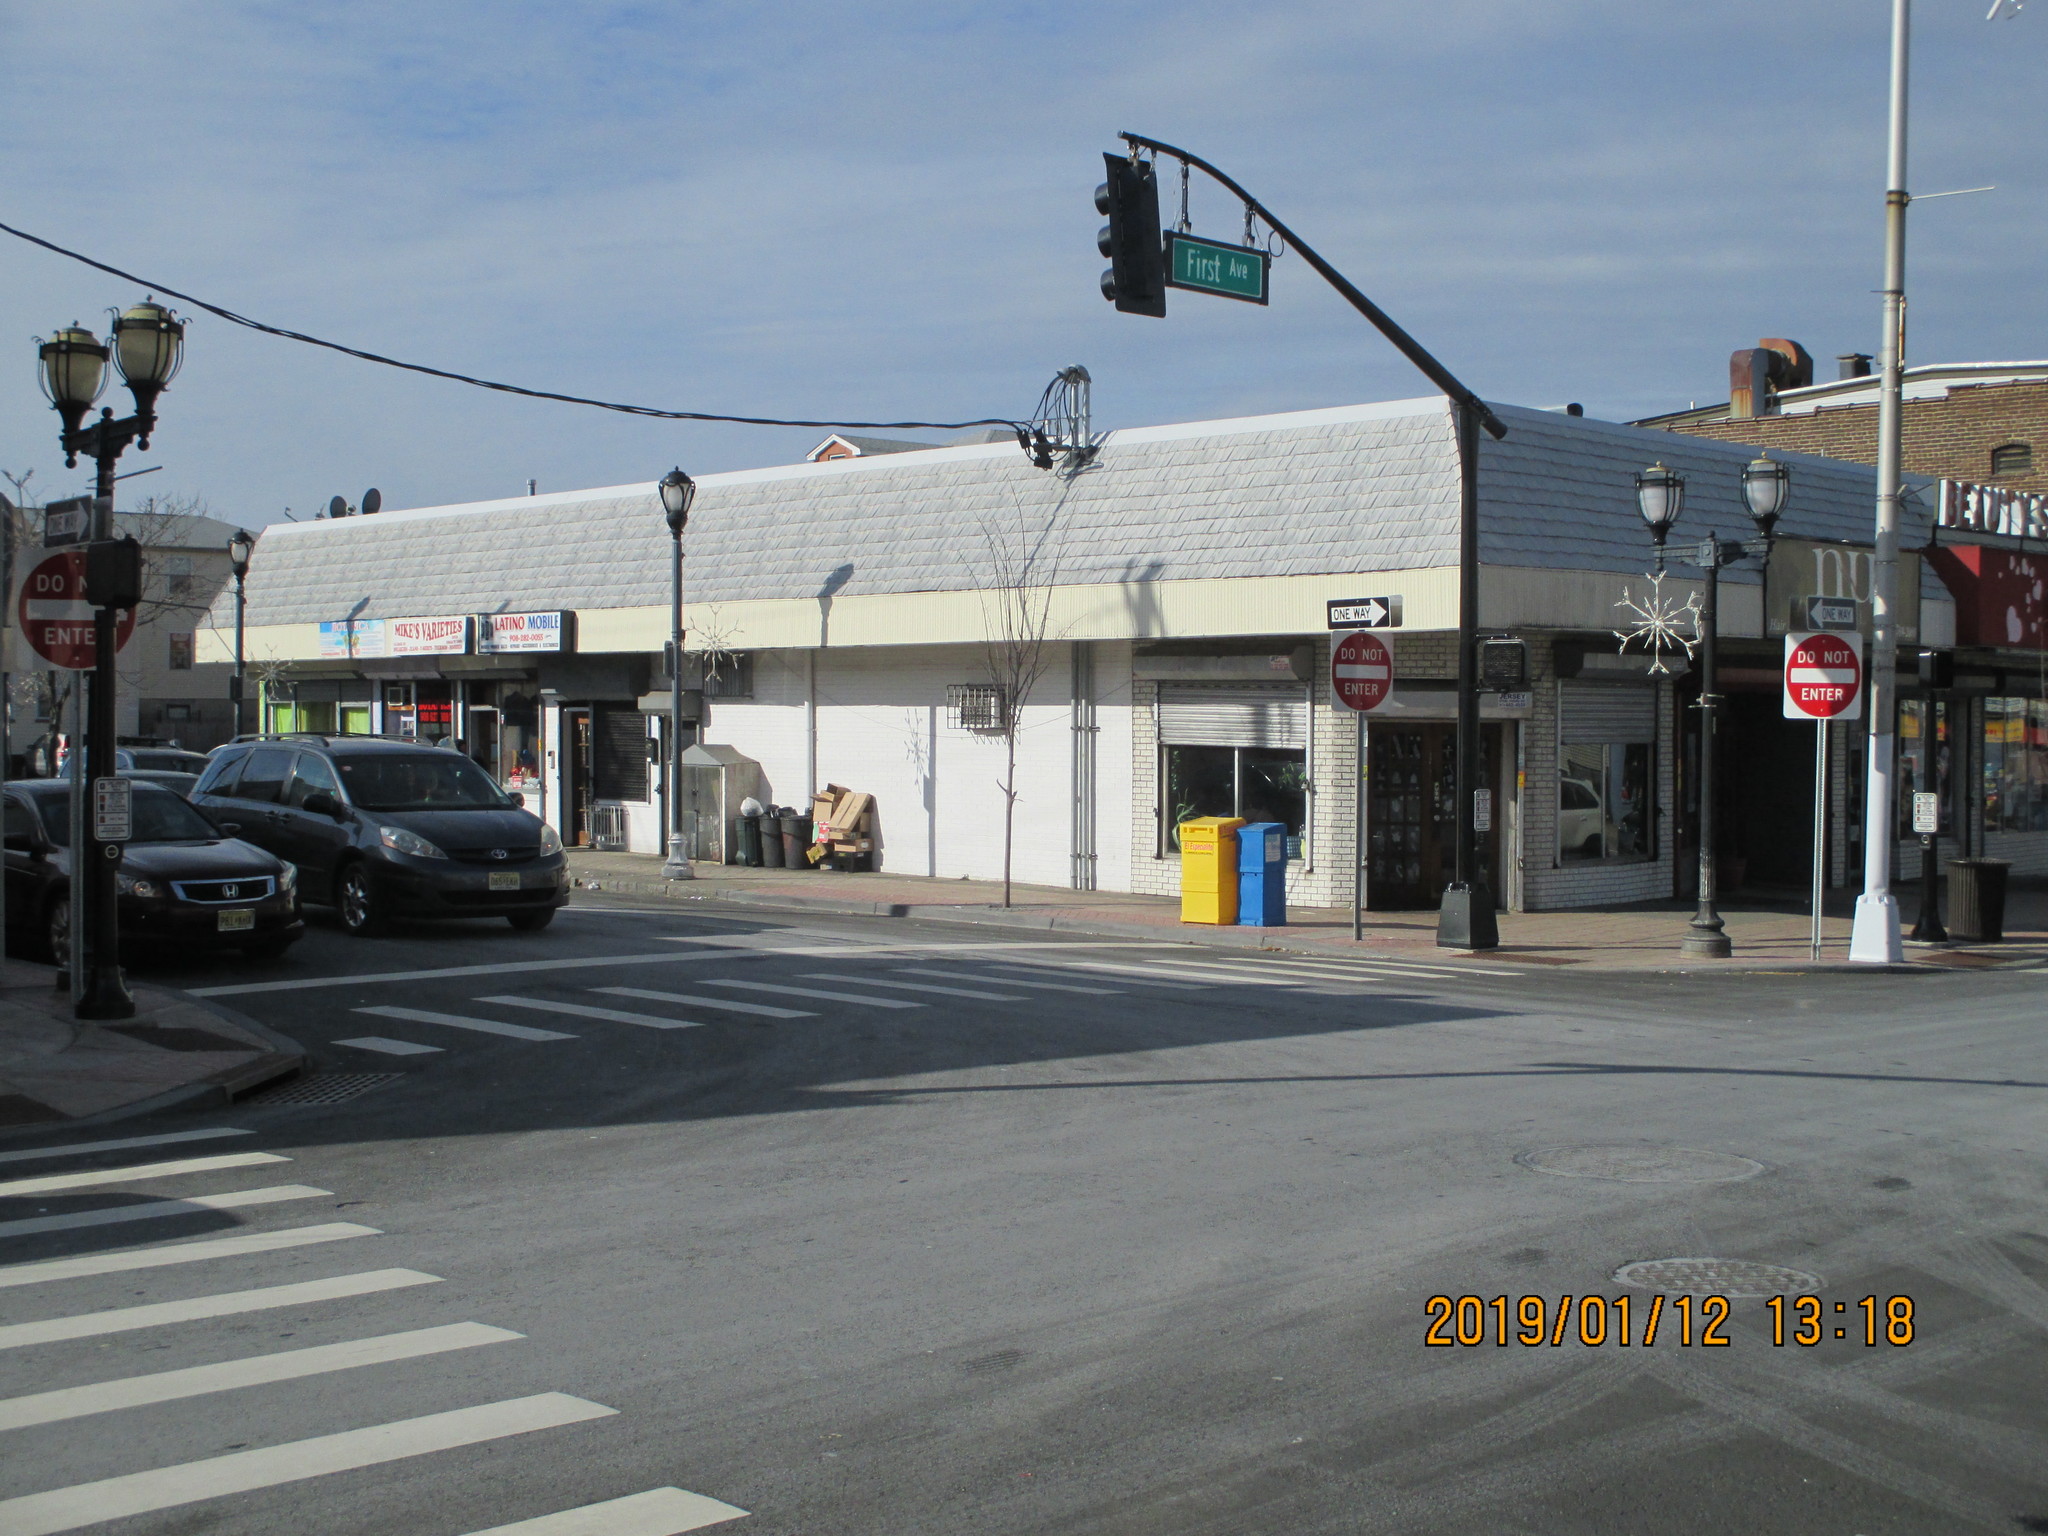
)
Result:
{"points": [[518, 800], [321, 803], [229, 828]]}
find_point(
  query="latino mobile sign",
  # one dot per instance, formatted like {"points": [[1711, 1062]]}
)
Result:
{"points": [[1823, 676], [1362, 670]]}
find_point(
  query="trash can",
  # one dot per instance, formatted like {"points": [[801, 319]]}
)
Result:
{"points": [[1262, 875], [746, 841], [1976, 899], [771, 840], [796, 837], [1208, 869]]}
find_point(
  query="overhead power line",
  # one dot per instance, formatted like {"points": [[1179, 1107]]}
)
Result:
{"points": [[508, 389]]}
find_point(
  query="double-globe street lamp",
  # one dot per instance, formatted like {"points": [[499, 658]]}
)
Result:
{"points": [[240, 547], [1660, 496], [147, 344], [678, 490]]}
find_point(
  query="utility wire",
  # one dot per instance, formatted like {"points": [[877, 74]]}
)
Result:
{"points": [[509, 389]]}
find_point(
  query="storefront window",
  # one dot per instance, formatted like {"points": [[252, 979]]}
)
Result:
{"points": [[2015, 765], [1603, 803], [1923, 759], [1257, 783]]}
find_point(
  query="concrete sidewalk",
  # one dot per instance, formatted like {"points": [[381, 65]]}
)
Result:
{"points": [[54, 1068], [1641, 937]]}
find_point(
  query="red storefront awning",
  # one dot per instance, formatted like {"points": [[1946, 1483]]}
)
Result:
{"points": [[1999, 594]]}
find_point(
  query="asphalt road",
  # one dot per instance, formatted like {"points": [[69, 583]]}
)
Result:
{"points": [[918, 1228]]}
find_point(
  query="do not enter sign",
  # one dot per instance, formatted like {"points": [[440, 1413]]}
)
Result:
{"points": [[55, 618], [1362, 670], [1823, 676]]}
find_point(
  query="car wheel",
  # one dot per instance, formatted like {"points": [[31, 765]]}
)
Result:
{"points": [[57, 930], [530, 922], [268, 949], [362, 911]]}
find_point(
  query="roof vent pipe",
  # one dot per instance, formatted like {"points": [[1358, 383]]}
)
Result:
{"points": [[1853, 365]]}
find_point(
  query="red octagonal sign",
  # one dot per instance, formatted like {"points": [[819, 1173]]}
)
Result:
{"points": [[55, 618], [1362, 670], [1823, 676]]}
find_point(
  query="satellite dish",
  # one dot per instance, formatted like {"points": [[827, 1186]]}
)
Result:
{"points": [[373, 501], [337, 507]]}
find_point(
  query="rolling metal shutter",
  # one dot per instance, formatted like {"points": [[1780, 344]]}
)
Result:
{"points": [[1226, 715], [1605, 714], [619, 749]]}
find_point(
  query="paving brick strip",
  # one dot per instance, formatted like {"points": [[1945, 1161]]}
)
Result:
{"points": [[1766, 935]]}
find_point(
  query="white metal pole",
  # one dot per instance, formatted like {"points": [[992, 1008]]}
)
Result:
{"points": [[1876, 938]]}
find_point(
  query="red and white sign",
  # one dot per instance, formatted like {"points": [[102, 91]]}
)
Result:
{"points": [[1823, 675], [1362, 670], [55, 618]]}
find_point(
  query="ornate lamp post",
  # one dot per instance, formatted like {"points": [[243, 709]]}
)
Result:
{"points": [[678, 490], [240, 547], [147, 345], [1660, 496]]}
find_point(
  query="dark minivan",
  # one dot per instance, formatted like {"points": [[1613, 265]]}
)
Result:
{"points": [[382, 829]]}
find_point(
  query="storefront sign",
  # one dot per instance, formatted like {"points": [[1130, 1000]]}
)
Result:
{"points": [[1993, 509], [351, 639], [2001, 597], [1823, 677], [447, 636], [500, 633], [1803, 570]]}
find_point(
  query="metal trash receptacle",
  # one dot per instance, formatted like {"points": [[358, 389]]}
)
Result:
{"points": [[796, 841], [1208, 869], [1976, 899], [1262, 875]]}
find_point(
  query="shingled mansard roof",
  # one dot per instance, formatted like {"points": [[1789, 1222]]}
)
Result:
{"points": [[1357, 488]]}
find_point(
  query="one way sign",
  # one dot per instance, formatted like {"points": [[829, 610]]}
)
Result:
{"points": [[1365, 612]]}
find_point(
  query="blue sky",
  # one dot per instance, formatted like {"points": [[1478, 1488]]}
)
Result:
{"points": [[884, 210]]}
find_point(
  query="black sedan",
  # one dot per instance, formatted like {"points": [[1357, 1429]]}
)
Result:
{"points": [[181, 882]]}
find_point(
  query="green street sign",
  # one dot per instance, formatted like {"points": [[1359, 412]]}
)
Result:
{"points": [[1213, 266]]}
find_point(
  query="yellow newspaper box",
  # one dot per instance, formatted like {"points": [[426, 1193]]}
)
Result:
{"points": [[1208, 869]]}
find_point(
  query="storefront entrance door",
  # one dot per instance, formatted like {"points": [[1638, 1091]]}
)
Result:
{"points": [[1410, 795], [576, 775]]}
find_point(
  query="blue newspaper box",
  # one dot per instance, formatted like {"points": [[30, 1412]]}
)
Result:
{"points": [[1262, 874]]}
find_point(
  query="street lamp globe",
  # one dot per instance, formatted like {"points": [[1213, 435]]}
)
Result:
{"points": [[74, 372], [678, 490], [149, 344], [1766, 484], [1660, 494], [240, 547]]}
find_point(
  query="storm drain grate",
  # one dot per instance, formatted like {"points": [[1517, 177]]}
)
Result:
{"points": [[1001, 1360], [1717, 1277], [323, 1088], [1640, 1163]]}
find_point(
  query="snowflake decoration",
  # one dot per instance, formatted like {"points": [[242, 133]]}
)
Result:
{"points": [[1661, 623]]}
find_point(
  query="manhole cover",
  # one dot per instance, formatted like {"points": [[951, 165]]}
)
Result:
{"points": [[1640, 1163], [1717, 1277], [323, 1088]]}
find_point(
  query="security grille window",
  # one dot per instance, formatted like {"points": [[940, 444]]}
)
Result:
{"points": [[619, 752], [976, 707], [2012, 459], [1607, 741], [1228, 751], [2016, 765]]}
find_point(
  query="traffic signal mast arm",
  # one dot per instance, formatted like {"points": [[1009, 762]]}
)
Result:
{"points": [[1407, 345]]}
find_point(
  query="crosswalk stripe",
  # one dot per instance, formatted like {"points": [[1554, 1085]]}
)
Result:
{"points": [[141, 1493], [586, 1011], [463, 1021], [657, 1512], [1319, 967], [254, 1371], [149, 1210], [830, 997], [384, 1046], [179, 1253], [727, 1004], [1011, 981], [80, 1148], [53, 1181], [913, 986], [91, 1325], [1129, 975]]}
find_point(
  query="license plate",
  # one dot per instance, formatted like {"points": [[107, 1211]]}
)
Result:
{"points": [[504, 879], [237, 922]]}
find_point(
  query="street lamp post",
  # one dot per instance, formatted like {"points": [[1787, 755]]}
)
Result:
{"points": [[240, 547], [147, 345], [678, 490], [1660, 496]]}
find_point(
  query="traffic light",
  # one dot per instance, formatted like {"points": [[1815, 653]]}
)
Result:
{"points": [[1136, 279]]}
